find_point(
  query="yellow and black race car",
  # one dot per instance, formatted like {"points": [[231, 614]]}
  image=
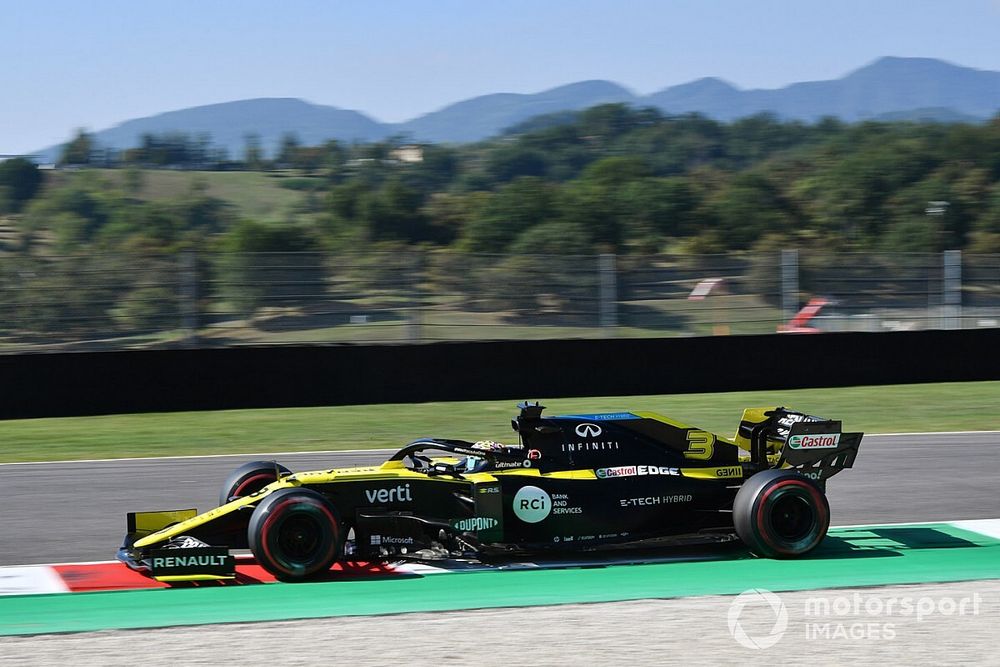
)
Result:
{"points": [[572, 482]]}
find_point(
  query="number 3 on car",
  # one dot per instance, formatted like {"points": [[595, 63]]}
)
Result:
{"points": [[701, 445]]}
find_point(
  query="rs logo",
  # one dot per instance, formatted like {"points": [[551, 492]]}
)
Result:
{"points": [[588, 430]]}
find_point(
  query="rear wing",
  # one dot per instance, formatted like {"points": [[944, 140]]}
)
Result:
{"points": [[819, 450], [779, 437]]}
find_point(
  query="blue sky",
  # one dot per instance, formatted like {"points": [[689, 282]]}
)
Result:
{"points": [[74, 63]]}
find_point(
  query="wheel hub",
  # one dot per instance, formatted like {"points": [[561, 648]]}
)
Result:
{"points": [[792, 517]]}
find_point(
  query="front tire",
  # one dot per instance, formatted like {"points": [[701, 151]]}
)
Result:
{"points": [[250, 478], [781, 514], [295, 534]]}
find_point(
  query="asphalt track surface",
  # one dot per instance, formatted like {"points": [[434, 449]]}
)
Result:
{"points": [[75, 511]]}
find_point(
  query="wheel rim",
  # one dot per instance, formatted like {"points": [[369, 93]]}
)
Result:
{"points": [[792, 517], [298, 537]]}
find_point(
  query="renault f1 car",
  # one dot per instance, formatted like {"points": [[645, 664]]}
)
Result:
{"points": [[573, 482]]}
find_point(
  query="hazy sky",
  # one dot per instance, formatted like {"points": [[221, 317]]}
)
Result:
{"points": [[75, 63]]}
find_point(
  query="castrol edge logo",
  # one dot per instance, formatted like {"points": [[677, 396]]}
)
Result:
{"points": [[814, 441]]}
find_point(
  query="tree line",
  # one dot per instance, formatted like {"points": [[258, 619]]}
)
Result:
{"points": [[609, 179]]}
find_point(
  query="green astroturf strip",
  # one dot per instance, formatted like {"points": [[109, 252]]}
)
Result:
{"points": [[866, 556]]}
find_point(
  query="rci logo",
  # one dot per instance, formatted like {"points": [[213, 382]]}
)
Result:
{"points": [[588, 430], [772, 613], [531, 504]]}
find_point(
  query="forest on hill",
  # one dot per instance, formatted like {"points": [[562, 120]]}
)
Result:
{"points": [[611, 178]]}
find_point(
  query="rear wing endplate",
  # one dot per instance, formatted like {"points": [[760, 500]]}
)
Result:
{"points": [[819, 449]]}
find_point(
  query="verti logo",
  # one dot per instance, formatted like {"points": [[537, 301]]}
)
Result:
{"points": [[399, 494], [757, 608], [532, 504], [588, 430]]}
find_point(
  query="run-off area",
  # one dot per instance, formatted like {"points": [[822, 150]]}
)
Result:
{"points": [[694, 631], [850, 556]]}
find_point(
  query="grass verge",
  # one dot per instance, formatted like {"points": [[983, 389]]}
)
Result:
{"points": [[896, 408]]}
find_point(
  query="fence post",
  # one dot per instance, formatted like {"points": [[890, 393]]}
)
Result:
{"points": [[952, 286], [416, 297], [608, 290], [189, 297], [789, 284]]}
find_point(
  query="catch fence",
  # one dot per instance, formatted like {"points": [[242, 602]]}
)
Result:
{"points": [[213, 299]]}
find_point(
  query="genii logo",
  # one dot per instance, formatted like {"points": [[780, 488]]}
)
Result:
{"points": [[815, 441], [531, 504], [588, 430]]}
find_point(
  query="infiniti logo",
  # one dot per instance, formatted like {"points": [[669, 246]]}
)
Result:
{"points": [[588, 430]]}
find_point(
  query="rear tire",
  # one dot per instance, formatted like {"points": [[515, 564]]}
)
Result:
{"points": [[295, 534], [249, 478], [781, 514]]}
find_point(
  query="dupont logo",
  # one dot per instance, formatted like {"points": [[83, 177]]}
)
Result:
{"points": [[474, 523], [826, 441]]}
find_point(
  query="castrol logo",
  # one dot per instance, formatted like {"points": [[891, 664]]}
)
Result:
{"points": [[825, 441]]}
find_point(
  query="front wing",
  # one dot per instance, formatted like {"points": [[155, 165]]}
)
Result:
{"points": [[180, 559]]}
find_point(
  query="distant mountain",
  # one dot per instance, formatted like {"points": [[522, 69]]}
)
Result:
{"points": [[271, 118], [887, 89], [710, 96], [932, 115], [887, 86], [230, 122], [482, 117]]}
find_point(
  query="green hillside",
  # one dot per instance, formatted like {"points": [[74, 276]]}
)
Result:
{"points": [[254, 195]]}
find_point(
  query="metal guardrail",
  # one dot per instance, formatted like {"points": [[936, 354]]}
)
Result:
{"points": [[207, 299]]}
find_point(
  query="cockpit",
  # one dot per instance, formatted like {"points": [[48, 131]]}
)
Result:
{"points": [[434, 456]]}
